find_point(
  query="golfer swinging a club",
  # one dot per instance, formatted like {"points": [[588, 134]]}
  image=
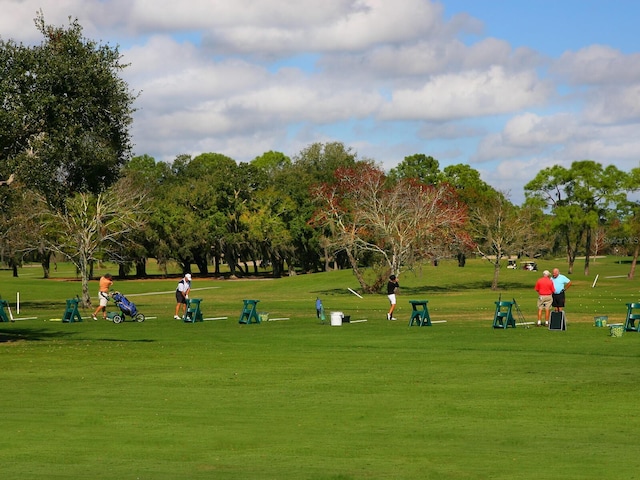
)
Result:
{"points": [[392, 289], [182, 295]]}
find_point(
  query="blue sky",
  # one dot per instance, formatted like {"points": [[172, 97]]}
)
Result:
{"points": [[554, 26], [508, 87]]}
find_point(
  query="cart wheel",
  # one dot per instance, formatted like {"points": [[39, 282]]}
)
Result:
{"points": [[117, 319], [139, 317]]}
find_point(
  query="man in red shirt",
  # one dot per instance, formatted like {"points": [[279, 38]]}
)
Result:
{"points": [[545, 289]]}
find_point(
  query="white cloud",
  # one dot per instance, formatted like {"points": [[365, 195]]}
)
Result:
{"points": [[612, 105], [449, 130], [389, 79], [558, 139], [177, 76], [510, 176], [280, 28], [531, 131], [598, 65], [469, 94]]}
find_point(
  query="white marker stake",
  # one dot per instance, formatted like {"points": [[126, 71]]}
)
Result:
{"points": [[355, 293], [595, 281], [17, 303]]}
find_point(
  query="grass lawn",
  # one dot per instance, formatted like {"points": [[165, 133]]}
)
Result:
{"points": [[298, 399]]}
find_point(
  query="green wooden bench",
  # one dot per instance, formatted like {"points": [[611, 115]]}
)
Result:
{"points": [[249, 313], [503, 317], [193, 313], [71, 313], [419, 313]]}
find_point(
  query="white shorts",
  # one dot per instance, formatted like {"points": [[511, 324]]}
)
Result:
{"points": [[104, 298], [392, 298]]}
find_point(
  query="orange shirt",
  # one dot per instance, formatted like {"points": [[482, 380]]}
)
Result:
{"points": [[105, 283]]}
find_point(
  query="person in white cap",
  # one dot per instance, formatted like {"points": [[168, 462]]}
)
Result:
{"points": [[182, 294]]}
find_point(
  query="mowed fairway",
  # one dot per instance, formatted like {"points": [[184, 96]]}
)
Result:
{"points": [[296, 399]]}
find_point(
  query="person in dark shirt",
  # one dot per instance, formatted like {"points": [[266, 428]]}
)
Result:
{"points": [[392, 289]]}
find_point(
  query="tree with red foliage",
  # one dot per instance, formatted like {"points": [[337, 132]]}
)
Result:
{"points": [[399, 223]]}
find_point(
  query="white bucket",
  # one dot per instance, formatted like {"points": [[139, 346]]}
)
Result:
{"points": [[336, 319]]}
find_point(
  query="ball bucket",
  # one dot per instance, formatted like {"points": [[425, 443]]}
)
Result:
{"points": [[336, 319], [616, 329], [600, 321]]}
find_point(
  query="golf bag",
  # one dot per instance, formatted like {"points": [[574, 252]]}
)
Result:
{"points": [[127, 308]]}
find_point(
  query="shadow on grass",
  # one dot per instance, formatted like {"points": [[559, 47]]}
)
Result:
{"points": [[30, 334], [477, 285], [425, 289], [13, 335], [36, 305], [120, 340]]}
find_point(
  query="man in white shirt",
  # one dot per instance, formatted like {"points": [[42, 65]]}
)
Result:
{"points": [[182, 294]]}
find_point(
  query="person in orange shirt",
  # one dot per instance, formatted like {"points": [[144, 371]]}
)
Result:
{"points": [[545, 289], [103, 296]]}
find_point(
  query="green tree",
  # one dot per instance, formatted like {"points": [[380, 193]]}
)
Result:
{"points": [[268, 231], [272, 214], [64, 125], [153, 178], [475, 193], [64, 122], [472, 190], [622, 234], [423, 168], [18, 231], [271, 163], [578, 197], [626, 221], [633, 184], [314, 164], [201, 212], [184, 202]]}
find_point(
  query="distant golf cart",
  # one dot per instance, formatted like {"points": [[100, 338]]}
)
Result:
{"points": [[512, 264], [529, 265]]}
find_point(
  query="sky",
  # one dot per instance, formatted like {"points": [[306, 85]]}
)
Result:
{"points": [[508, 87]]}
